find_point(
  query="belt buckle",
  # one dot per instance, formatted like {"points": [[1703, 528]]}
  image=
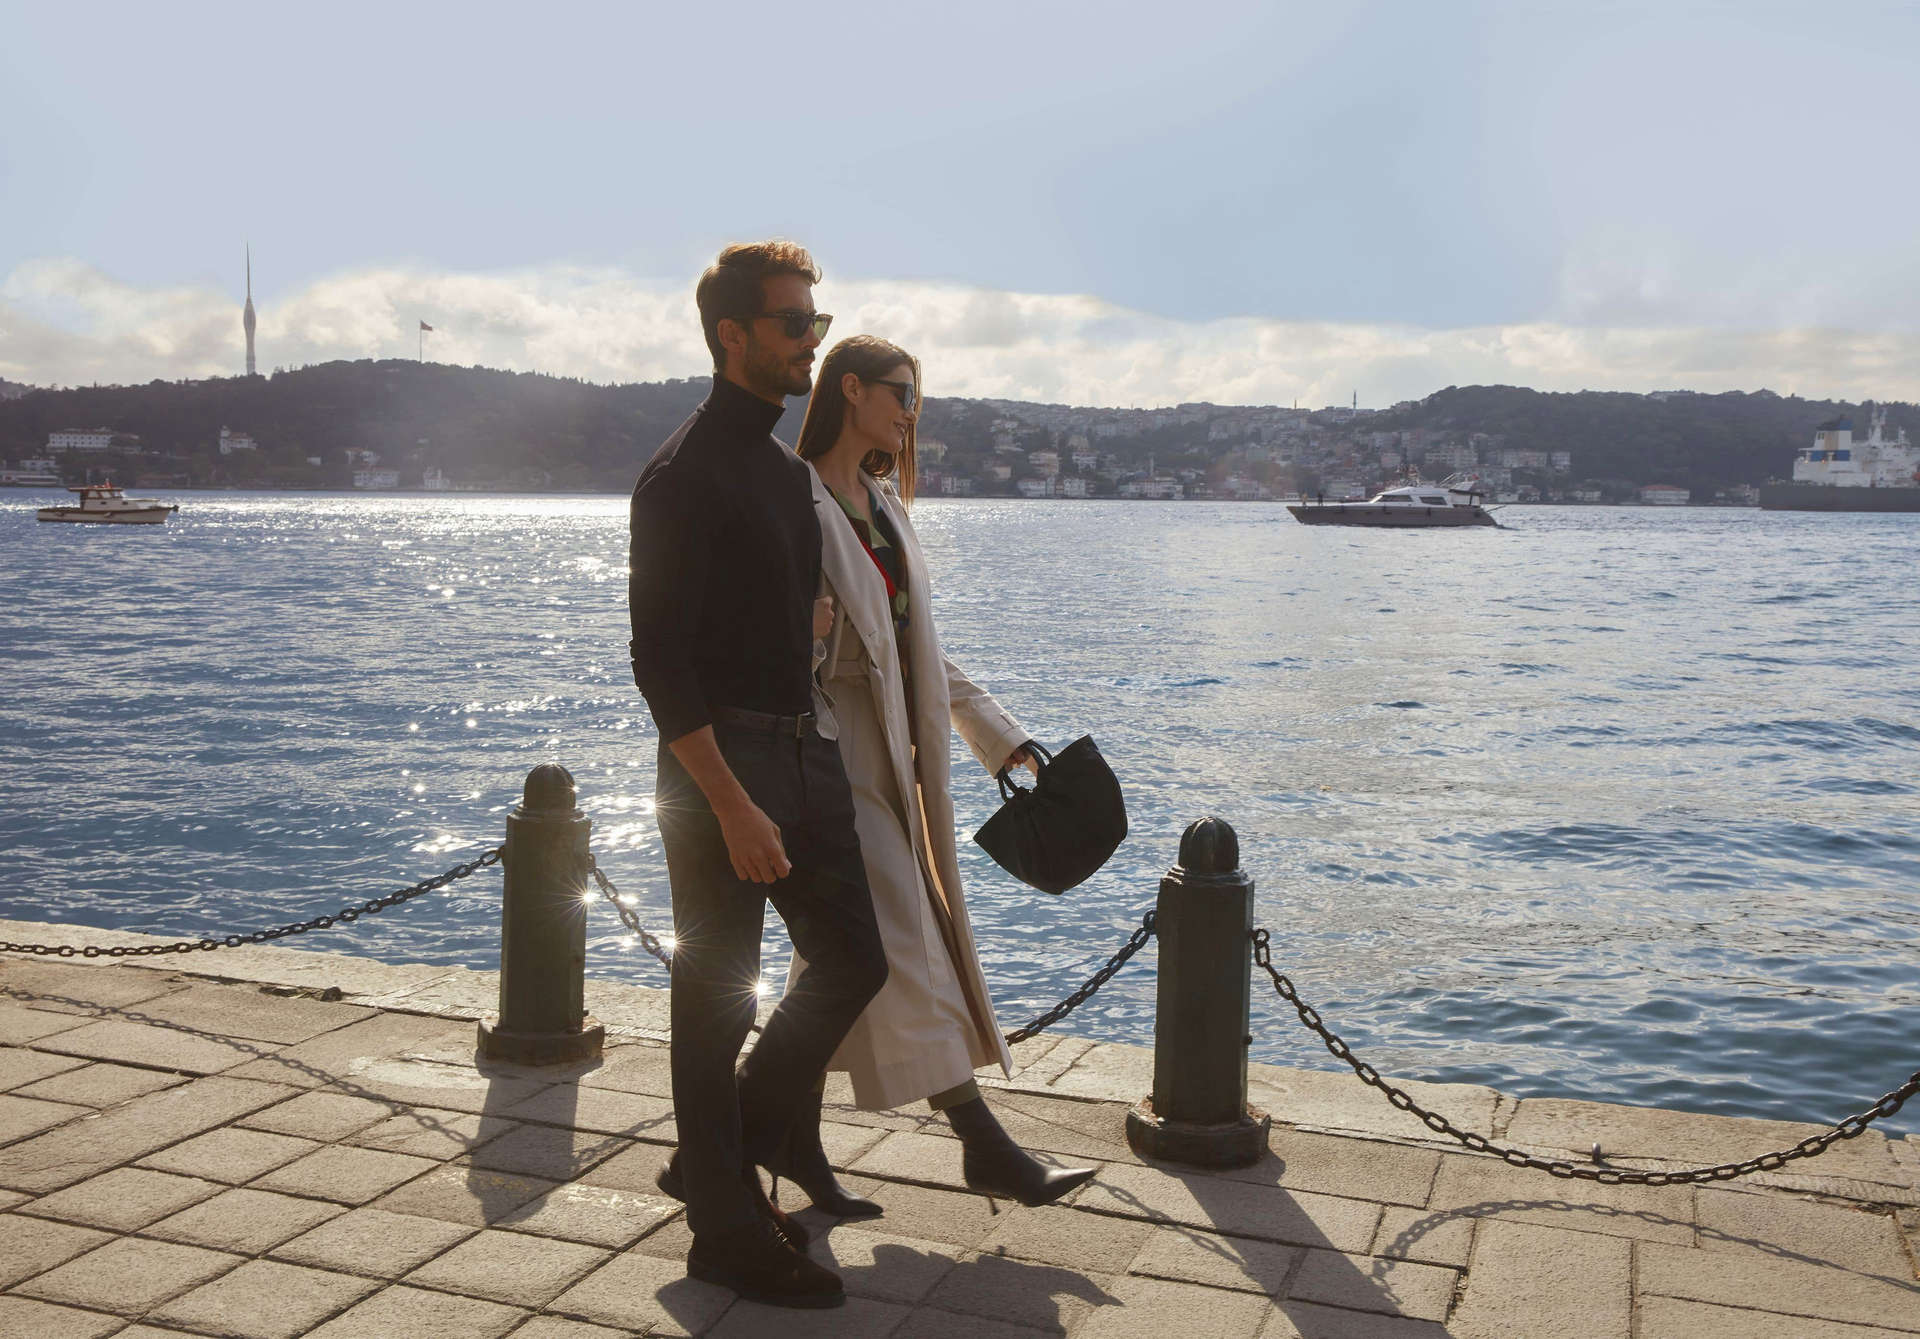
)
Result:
{"points": [[800, 724]]}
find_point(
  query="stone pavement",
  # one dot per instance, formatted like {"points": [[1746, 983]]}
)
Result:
{"points": [[269, 1143]]}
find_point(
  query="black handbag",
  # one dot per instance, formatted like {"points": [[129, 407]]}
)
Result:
{"points": [[1066, 827]]}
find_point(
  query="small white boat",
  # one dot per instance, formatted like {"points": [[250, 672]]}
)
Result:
{"points": [[1410, 505], [108, 504]]}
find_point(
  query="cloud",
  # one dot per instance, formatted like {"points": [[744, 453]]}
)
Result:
{"points": [[63, 322]]}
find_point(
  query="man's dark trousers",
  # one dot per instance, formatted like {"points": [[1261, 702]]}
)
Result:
{"points": [[727, 1121]]}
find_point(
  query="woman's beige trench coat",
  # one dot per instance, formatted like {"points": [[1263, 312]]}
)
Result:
{"points": [[932, 1024]]}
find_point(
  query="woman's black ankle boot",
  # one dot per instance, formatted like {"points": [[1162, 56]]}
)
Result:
{"points": [[804, 1162], [994, 1165]]}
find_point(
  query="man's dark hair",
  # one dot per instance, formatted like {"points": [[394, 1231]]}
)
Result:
{"points": [[731, 287]]}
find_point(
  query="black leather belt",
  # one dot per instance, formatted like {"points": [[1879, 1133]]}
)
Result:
{"points": [[786, 727]]}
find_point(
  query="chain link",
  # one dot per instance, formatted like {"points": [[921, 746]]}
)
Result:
{"points": [[345, 916], [1812, 1146], [1135, 942], [625, 913]]}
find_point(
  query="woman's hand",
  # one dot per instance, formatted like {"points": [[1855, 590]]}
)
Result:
{"points": [[1021, 757], [822, 616]]}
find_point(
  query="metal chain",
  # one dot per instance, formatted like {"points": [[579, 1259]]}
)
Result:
{"points": [[1135, 942], [344, 916], [1812, 1146], [625, 913]]}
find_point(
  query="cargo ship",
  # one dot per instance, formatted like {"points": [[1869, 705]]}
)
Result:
{"points": [[1837, 473]]}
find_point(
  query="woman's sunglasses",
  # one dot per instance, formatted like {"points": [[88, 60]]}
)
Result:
{"points": [[909, 396], [794, 324]]}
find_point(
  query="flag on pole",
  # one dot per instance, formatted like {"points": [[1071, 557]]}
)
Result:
{"points": [[425, 326]]}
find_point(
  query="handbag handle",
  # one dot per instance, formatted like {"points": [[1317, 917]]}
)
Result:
{"points": [[1008, 786]]}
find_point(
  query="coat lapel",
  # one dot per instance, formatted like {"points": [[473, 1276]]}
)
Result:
{"points": [[859, 591]]}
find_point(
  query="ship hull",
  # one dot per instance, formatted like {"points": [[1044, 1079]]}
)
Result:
{"points": [[1827, 497], [1395, 518]]}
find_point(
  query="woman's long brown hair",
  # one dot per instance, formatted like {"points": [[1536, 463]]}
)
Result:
{"points": [[868, 357]]}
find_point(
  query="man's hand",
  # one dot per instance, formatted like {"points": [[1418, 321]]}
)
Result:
{"points": [[822, 616], [753, 842], [753, 839]]}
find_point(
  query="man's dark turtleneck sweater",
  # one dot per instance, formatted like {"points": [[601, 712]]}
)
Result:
{"points": [[724, 566]]}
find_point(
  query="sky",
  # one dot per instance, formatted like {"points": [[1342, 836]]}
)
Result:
{"points": [[1108, 204]]}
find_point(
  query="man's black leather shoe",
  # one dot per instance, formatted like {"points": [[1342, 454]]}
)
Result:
{"points": [[756, 1262]]}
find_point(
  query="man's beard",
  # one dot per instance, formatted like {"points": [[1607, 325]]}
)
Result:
{"points": [[772, 375]]}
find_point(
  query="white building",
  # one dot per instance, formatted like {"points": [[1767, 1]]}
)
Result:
{"points": [[1085, 458], [236, 441], [373, 478], [436, 481], [1453, 457], [1047, 462], [1560, 462], [1074, 488], [80, 439], [1664, 495], [1035, 487], [1000, 470]]}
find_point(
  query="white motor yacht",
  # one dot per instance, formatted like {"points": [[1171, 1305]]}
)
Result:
{"points": [[110, 505], [1455, 502]]}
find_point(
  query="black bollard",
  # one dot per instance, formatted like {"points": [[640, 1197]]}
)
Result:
{"points": [[1198, 1112], [543, 931]]}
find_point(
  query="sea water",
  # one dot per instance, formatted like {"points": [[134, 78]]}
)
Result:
{"points": [[1616, 803]]}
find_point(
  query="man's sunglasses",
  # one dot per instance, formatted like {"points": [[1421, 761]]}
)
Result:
{"points": [[909, 397], [794, 324]]}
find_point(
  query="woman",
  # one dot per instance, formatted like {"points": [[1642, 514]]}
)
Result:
{"points": [[893, 696]]}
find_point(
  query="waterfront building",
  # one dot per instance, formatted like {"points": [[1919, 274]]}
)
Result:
{"points": [[1047, 462], [435, 480], [231, 441], [1664, 495], [1035, 487], [84, 439], [1074, 488], [33, 473], [369, 477]]}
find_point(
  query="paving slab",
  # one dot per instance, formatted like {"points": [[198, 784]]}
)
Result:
{"points": [[510, 1267], [125, 1199], [1784, 1226], [858, 1318], [635, 1068], [557, 1153], [1188, 1255], [607, 1110], [22, 1117], [1546, 1283], [1336, 1100], [21, 1067], [229, 1154], [345, 1174], [1305, 1320], [99, 1085], [1150, 1309], [558, 1327], [250, 1013], [1431, 1236], [244, 1220], [264, 1299], [1687, 1137], [30, 1246], [469, 1195], [882, 1265], [1491, 1189], [427, 1132], [1076, 1131], [1671, 1318], [593, 1215], [1237, 1208], [419, 1314], [1767, 1283], [927, 1322], [28, 1319], [1075, 1239], [156, 1046], [1045, 1297], [336, 1056], [373, 1242], [456, 993], [85, 984], [1371, 1283], [1367, 1169], [640, 1292], [406, 1082], [321, 1116], [952, 1217], [21, 1026], [129, 1275]]}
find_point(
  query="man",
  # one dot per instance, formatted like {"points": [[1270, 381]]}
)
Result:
{"points": [[753, 804]]}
